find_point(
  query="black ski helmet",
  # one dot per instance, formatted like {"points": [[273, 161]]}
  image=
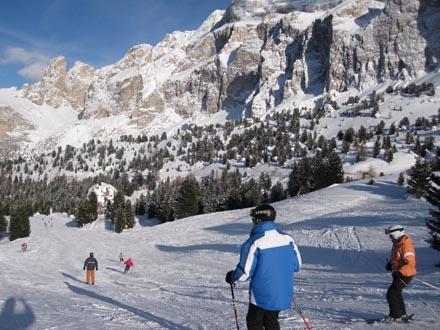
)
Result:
{"points": [[91, 254], [264, 212]]}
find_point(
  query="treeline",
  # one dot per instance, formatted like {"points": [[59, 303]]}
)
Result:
{"points": [[231, 190]]}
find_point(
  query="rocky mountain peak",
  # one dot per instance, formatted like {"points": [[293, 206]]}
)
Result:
{"points": [[253, 57], [243, 9]]}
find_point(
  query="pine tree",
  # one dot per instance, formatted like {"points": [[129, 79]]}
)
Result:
{"points": [[187, 202], [118, 203], [3, 223], [277, 193], [433, 223], [19, 223], [128, 215], [389, 156], [93, 205], [251, 192], [234, 200], [120, 223], [419, 175], [336, 171], [293, 185], [141, 205], [211, 198], [376, 149], [304, 176], [401, 179]]}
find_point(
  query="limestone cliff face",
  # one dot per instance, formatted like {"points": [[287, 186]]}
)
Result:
{"points": [[253, 57], [59, 87]]}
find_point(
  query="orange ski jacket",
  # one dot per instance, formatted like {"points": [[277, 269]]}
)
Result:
{"points": [[403, 257]]}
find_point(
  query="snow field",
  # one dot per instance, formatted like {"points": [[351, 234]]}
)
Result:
{"points": [[178, 278]]}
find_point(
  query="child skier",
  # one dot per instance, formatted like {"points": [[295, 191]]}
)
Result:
{"points": [[128, 263], [121, 257]]}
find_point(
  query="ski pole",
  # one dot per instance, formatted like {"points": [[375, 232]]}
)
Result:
{"points": [[299, 310], [427, 284], [423, 302], [233, 305]]}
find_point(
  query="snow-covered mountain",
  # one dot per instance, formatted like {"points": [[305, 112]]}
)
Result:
{"points": [[255, 57], [178, 278]]}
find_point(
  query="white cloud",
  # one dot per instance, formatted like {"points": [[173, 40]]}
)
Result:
{"points": [[34, 62], [33, 71]]}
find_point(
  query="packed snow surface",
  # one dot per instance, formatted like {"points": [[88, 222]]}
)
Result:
{"points": [[178, 278]]}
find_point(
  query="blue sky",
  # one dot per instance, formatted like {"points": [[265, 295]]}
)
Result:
{"points": [[97, 32]]}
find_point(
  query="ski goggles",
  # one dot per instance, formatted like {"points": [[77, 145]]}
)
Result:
{"points": [[389, 231]]}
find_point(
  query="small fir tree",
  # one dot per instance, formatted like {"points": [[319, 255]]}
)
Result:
{"points": [[401, 179], [419, 176], [433, 223]]}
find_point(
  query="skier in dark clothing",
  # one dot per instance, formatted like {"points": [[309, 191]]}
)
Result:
{"points": [[128, 263], [91, 264], [269, 259]]}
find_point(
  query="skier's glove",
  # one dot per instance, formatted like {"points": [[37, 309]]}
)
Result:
{"points": [[388, 267], [230, 277], [396, 274]]}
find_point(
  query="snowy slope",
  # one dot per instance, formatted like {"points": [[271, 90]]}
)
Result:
{"points": [[178, 278]]}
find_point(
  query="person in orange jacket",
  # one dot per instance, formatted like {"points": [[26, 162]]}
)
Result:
{"points": [[402, 264], [128, 263]]}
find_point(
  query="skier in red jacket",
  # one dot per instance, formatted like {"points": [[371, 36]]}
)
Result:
{"points": [[128, 263]]}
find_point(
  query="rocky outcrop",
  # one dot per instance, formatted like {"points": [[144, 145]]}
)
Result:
{"points": [[59, 87], [252, 58]]}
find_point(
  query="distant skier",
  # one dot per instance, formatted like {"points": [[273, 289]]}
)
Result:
{"points": [[128, 263], [91, 264], [24, 246], [403, 267], [121, 257], [269, 258]]}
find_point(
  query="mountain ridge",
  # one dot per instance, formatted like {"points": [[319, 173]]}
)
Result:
{"points": [[248, 67]]}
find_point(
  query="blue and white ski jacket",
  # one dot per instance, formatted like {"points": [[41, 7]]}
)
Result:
{"points": [[269, 258]]}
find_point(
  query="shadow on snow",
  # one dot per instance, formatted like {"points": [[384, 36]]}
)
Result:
{"points": [[71, 277], [145, 315], [11, 319], [228, 248]]}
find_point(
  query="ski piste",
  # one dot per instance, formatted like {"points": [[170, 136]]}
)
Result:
{"points": [[339, 231]]}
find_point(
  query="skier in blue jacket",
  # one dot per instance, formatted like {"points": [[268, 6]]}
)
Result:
{"points": [[269, 259]]}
